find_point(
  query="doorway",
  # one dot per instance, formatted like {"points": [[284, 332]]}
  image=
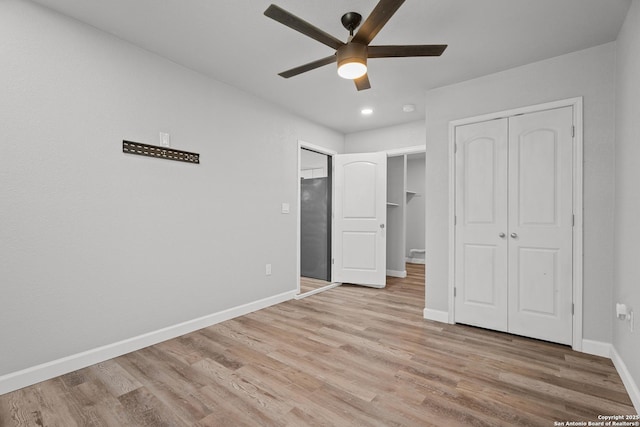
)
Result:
{"points": [[405, 212], [315, 220], [315, 203], [351, 235]]}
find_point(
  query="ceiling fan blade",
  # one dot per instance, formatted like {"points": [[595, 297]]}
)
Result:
{"points": [[282, 16], [399, 51], [308, 67], [383, 11], [362, 83]]}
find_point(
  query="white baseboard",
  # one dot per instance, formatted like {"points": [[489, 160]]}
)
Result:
{"points": [[397, 273], [48, 370], [627, 379], [607, 350], [415, 260], [597, 348], [436, 315]]}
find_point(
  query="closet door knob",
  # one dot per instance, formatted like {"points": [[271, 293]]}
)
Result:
{"points": [[501, 235], [514, 235]]}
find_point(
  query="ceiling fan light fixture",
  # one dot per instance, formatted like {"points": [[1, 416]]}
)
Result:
{"points": [[352, 61], [352, 70]]}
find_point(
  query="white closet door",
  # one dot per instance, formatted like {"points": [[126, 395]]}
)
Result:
{"points": [[541, 224], [359, 248], [481, 224]]}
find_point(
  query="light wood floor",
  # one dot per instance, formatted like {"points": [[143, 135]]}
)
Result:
{"points": [[308, 284], [345, 357]]}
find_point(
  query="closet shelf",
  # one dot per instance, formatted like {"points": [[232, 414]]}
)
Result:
{"points": [[412, 193], [393, 205]]}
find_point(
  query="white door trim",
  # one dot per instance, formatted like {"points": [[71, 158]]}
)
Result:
{"points": [[576, 103], [328, 152]]}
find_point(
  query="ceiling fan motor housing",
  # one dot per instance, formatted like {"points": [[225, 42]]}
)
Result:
{"points": [[352, 52]]}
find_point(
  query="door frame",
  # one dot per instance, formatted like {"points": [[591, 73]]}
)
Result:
{"points": [[330, 153], [577, 285]]}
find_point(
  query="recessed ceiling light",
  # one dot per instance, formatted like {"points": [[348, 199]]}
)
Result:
{"points": [[409, 108], [366, 111]]}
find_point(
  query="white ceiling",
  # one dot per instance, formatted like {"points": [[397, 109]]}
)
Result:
{"points": [[232, 41]]}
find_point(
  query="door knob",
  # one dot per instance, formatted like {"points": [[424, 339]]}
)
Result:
{"points": [[501, 235], [381, 225], [514, 235]]}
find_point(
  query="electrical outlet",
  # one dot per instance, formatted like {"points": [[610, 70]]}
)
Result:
{"points": [[267, 270]]}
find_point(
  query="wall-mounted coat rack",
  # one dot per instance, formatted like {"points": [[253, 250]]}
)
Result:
{"points": [[159, 152]]}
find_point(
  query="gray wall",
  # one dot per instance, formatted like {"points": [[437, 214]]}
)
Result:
{"points": [[588, 73], [400, 136], [99, 246], [627, 195]]}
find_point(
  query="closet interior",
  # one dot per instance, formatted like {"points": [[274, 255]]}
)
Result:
{"points": [[405, 212]]}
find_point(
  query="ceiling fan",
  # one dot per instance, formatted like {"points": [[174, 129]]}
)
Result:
{"points": [[352, 55]]}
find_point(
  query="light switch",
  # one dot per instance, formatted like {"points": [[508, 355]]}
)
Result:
{"points": [[285, 208]]}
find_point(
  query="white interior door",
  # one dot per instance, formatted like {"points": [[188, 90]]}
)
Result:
{"points": [[541, 225], [481, 224], [359, 249]]}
